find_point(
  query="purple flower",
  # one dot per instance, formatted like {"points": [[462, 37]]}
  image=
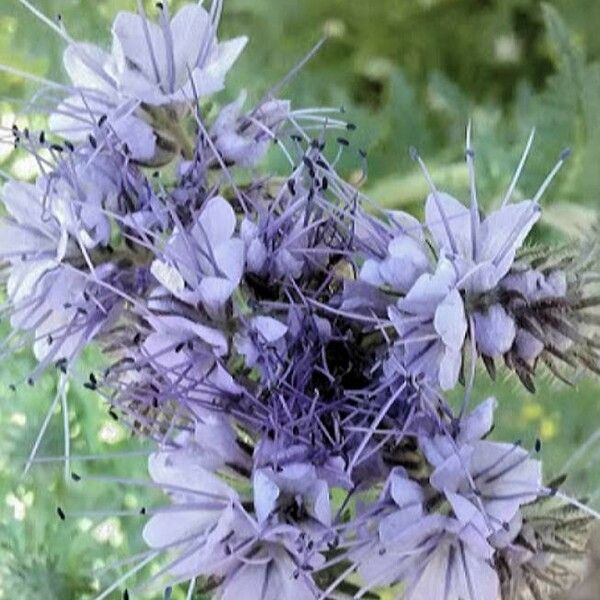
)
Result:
{"points": [[173, 62], [497, 477], [436, 556], [206, 510], [274, 569], [406, 257], [482, 251], [32, 239], [119, 95], [205, 264], [244, 140], [432, 326], [97, 100]]}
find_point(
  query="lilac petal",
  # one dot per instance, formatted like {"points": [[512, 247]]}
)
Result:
{"points": [[450, 321], [23, 202], [85, 66], [403, 490], [190, 28], [225, 56], [504, 231], [437, 448], [527, 346], [270, 329], [24, 277], [134, 58], [275, 579], [230, 259], [136, 133], [15, 240], [449, 222], [266, 493], [210, 78], [450, 475], [406, 263], [216, 223], [215, 291], [467, 576], [398, 522], [509, 477], [217, 442], [168, 276], [318, 504], [408, 224], [256, 256], [478, 423], [184, 329], [495, 331], [173, 526], [180, 469], [470, 517], [210, 555], [369, 273]]}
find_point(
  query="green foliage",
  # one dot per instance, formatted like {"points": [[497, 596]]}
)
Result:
{"points": [[408, 73]]}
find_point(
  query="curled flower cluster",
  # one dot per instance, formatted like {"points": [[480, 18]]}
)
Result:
{"points": [[285, 343]]}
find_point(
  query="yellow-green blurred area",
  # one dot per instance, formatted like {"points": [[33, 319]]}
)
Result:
{"points": [[408, 73]]}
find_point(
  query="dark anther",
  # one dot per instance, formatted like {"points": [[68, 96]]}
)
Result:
{"points": [[56, 147], [308, 163], [350, 126], [325, 184], [93, 142], [362, 152], [60, 513], [143, 510], [291, 186], [343, 141], [69, 146], [75, 477], [565, 154], [42, 137], [113, 414], [538, 445], [102, 120]]}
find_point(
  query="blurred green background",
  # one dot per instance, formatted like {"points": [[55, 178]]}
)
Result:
{"points": [[407, 72]]}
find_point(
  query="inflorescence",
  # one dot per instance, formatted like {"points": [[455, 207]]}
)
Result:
{"points": [[285, 343]]}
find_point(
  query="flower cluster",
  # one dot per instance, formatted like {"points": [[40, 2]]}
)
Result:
{"points": [[284, 343]]}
